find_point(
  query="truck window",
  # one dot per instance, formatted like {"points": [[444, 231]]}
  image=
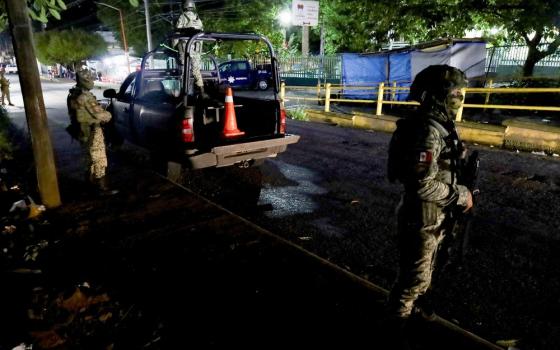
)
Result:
{"points": [[161, 90], [161, 60]]}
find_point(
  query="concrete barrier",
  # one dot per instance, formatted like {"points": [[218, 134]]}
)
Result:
{"points": [[486, 134], [527, 135], [473, 132]]}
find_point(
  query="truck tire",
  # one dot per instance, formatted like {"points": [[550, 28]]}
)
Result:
{"points": [[262, 85]]}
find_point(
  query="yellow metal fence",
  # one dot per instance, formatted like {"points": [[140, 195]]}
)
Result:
{"points": [[386, 95]]}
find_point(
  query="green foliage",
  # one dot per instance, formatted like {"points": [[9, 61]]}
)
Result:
{"points": [[135, 22], [40, 10], [297, 114], [68, 47]]}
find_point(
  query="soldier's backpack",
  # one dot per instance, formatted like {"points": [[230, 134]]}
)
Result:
{"points": [[401, 143], [74, 129]]}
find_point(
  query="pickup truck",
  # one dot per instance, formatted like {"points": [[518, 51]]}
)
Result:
{"points": [[10, 69], [240, 73], [159, 108]]}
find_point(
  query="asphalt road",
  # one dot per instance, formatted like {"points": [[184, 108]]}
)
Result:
{"points": [[329, 194]]}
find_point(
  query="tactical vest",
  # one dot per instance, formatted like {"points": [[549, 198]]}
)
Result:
{"points": [[404, 138]]}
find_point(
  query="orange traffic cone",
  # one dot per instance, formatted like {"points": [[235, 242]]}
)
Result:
{"points": [[230, 122]]}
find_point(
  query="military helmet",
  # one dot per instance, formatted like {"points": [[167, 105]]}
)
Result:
{"points": [[189, 5], [436, 81]]}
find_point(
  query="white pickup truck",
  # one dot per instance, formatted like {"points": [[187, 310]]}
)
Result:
{"points": [[10, 69]]}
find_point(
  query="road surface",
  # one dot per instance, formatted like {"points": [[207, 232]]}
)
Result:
{"points": [[329, 194]]}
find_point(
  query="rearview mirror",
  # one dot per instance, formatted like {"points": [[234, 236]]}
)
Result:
{"points": [[110, 93]]}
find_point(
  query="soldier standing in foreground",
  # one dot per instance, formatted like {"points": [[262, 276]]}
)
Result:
{"points": [[86, 116], [423, 155], [5, 87], [189, 23]]}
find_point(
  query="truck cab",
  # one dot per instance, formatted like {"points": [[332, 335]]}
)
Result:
{"points": [[159, 107]]}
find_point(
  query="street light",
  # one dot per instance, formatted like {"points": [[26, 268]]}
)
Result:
{"points": [[122, 31]]}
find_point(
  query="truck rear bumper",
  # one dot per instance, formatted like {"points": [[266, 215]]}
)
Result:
{"points": [[231, 154]]}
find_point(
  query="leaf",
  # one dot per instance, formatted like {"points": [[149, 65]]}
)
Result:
{"points": [[61, 4], [55, 13], [134, 3], [33, 14], [76, 302]]}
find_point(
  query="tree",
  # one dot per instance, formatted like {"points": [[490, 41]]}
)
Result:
{"points": [[161, 17], [361, 25], [68, 47], [40, 10], [233, 16], [533, 22]]}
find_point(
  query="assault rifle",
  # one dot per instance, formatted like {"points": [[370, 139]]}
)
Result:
{"points": [[455, 245]]}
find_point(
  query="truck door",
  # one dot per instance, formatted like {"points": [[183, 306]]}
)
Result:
{"points": [[123, 106]]}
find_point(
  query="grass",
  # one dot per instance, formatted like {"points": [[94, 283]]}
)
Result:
{"points": [[298, 114]]}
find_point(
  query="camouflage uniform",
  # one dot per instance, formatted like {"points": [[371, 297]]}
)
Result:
{"points": [[87, 116], [190, 22], [422, 156], [5, 87]]}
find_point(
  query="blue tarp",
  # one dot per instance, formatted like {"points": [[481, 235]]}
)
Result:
{"points": [[400, 71], [362, 70], [401, 67]]}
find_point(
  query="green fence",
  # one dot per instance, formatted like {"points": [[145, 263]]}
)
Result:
{"points": [[508, 61], [306, 71]]}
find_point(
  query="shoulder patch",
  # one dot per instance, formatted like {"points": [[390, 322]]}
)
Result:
{"points": [[425, 157]]}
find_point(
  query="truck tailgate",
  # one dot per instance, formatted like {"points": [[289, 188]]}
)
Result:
{"points": [[228, 155]]}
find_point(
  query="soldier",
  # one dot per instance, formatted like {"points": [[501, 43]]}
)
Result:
{"points": [[5, 87], [86, 116], [189, 23], [423, 156]]}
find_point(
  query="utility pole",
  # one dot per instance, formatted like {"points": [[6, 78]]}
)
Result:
{"points": [[305, 41], [148, 25], [35, 113]]}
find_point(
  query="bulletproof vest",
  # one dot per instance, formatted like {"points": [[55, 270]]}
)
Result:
{"points": [[404, 138]]}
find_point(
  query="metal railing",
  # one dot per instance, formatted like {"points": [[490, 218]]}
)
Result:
{"points": [[386, 95]]}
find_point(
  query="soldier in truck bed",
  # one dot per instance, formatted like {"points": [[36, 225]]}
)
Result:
{"points": [[423, 155], [189, 23]]}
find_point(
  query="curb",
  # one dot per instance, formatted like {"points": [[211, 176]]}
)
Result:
{"points": [[516, 133]]}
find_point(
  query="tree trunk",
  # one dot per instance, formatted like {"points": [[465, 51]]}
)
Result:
{"points": [[533, 57], [33, 102]]}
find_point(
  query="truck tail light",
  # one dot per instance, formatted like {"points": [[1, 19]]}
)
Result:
{"points": [[187, 126], [282, 120]]}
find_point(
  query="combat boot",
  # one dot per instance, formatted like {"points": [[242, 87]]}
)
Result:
{"points": [[424, 308], [103, 189]]}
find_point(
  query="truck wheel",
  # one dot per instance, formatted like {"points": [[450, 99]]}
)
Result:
{"points": [[262, 85]]}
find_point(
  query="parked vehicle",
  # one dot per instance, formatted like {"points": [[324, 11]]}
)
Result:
{"points": [[11, 69], [159, 109], [240, 73]]}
